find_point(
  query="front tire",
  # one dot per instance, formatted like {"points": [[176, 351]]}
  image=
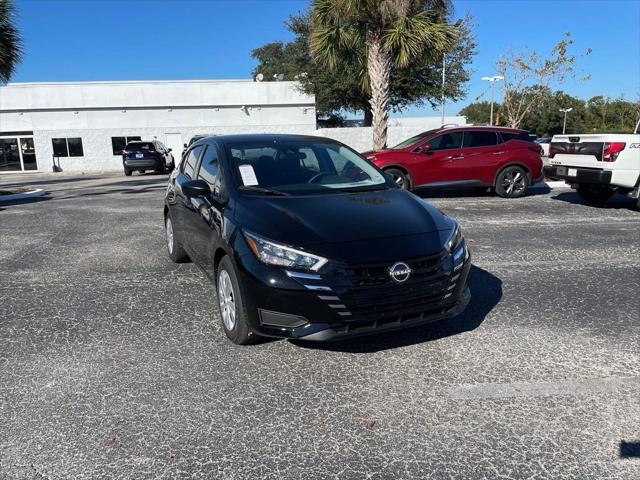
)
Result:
{"points": [[399, 178], [127, 171], [233, 310], [595, 194], [512, 182], [177, 254]]}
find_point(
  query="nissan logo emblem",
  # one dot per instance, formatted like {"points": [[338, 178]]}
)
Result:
{"points": [[400, 272]]}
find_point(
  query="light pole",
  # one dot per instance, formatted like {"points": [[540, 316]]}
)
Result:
{"points": [[492, 80], [564, 124], [444, 58]]}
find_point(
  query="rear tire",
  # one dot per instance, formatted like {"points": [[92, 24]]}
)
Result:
{"points": [[127, 172], [595, 194], [177, 254], [233, 311], [399, 178], [512, 182]]}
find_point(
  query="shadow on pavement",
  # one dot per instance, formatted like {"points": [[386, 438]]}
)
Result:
{"points": [[486, 292], [53, 181], [477, 192], [615, 202]]}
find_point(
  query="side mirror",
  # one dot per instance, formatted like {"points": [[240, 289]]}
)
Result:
{"points": [[424, 148], [185, 145], [195, 188], [169, 149]]}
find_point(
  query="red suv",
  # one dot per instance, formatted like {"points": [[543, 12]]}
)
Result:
{"points": [[501, 158]]}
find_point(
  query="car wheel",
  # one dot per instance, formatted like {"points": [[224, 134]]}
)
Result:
{"points": [[176, 252], [512, 182], [399, 178], [233, 311], [127, 172], [595, 194]]}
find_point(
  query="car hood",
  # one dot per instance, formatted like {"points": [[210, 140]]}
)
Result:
{"points": [[339, 218]]}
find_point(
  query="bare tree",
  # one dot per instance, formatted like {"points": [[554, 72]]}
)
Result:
{"points": [[530, 77]]}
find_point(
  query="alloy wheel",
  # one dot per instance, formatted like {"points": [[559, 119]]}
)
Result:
{"points": [[226, 298], [513, 182]]}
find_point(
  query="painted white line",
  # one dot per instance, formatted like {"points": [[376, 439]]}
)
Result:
{"points": [[586, 386]]}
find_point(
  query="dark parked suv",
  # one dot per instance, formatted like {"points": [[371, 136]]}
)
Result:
{"points": [[304, 238], [143, 156]]}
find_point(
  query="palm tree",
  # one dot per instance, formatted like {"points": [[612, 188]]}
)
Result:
{"points": [[379, 34], [10, 41]]}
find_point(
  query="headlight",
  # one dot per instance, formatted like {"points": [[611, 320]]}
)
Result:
{"points": [[273, 253], [455, 238]]}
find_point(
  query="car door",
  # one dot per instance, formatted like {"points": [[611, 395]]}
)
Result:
{"points": [[207, 233], [185, 212], [434, 158], [479, 158]]}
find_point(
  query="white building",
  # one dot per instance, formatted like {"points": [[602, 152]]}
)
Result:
{"points": [[85, 125]]}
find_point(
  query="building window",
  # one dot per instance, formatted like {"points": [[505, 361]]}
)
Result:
{"points": [[67, 147], [118, 143]]}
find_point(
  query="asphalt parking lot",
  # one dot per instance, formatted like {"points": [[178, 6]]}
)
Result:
{"points": [[114, 364]]}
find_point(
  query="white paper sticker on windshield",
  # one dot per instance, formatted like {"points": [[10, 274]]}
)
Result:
{"points": [[248, 175]]}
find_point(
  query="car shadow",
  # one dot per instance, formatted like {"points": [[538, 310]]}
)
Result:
{"points": [[486, 292], [50, 181], [615, 202], [476, 192]]}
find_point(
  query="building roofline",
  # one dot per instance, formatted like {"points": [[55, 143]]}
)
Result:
{"points": [[134, 82]]}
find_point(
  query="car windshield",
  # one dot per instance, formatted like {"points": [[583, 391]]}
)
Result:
{"points": [[293, 167], [410, 141]]}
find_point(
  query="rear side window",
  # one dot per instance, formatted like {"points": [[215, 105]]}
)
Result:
{"points": [[446, 141], [189, 164], [506, 136], [209, 166], [480, 139]]}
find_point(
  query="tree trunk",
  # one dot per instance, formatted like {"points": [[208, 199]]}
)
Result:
{"points": [[379, 68], [368, 115]]}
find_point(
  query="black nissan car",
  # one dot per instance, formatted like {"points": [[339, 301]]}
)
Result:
{"points": [[304, 238]]}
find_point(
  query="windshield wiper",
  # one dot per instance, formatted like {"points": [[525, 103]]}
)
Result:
{"points": [[265, 191]]}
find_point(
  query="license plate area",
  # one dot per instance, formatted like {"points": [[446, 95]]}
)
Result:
{"points": [[561, 170], [572, 172], [139, 155]]}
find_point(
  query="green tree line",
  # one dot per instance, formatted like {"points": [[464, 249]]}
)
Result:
{"points": [[597, 114]]}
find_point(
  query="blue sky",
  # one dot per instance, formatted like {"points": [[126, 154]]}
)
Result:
{"points": [[74, 40]]}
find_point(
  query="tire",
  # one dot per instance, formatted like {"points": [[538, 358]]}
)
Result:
{"points": [[233, 311], [127, 171], [399, 178], [177, 254], [512, 182], [595, 194]]}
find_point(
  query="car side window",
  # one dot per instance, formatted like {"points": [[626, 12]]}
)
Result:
{"points": [[445, 141], [480, 139], [209, 167], [189, 164]]}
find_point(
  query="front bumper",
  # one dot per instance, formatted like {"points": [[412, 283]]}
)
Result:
{"points": [[581, 176], [316, 309]]}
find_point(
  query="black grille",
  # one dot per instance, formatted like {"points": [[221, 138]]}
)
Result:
{"points": [[369, 292]]}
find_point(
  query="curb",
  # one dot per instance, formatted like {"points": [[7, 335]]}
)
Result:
{"points": [[21, 196]]}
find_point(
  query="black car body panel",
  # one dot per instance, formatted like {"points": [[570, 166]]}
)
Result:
{"points": [[361, 233]]}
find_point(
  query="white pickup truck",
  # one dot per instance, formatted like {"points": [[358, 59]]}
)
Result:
{"points": [[597, 165]]}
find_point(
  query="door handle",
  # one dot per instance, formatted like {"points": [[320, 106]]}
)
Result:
{"points": [[498, 152], [459, 157]]}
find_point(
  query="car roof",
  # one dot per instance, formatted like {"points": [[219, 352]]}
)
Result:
{"points": [[268, 137], [481, 127]]}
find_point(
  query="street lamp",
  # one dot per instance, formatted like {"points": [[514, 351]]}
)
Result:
{"points": [[492, 80], [564, 124]]}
